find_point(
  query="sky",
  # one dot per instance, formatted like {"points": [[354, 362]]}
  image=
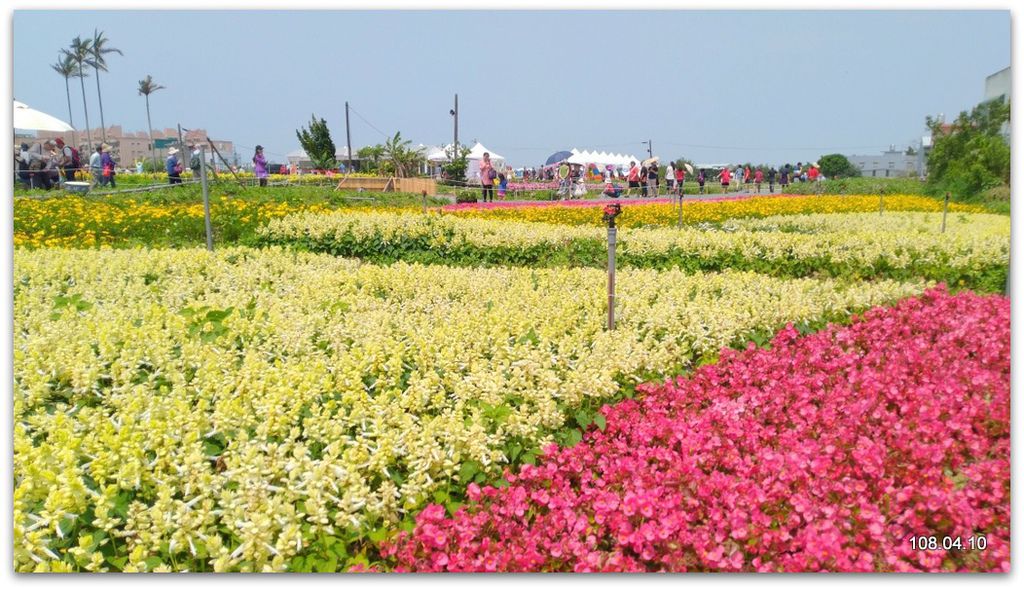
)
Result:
{"points": [[727, 86]]}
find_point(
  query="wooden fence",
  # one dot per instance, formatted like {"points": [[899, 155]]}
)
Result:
{"points": [[388, 185]]}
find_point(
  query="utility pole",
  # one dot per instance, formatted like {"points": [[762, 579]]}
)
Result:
{"points": [[181, 144], [650, 151], [455, 113], [348, 139]]}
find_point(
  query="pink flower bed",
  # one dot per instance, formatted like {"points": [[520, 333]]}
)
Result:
{"points": [[826, 452], [589, 202]]}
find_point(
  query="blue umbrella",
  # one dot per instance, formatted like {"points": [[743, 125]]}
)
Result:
{"points": [[557, 157]]}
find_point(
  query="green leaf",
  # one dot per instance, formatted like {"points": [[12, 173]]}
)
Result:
{"points": [[468, 470], [599, 419], [583, 418]]}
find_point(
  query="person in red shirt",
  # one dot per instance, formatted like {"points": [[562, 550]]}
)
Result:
{"points": [[680, 178], [633, 178], [758, 179], [746, 175], [725, 175], [812, 175]]}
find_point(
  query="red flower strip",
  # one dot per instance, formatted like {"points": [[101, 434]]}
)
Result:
{"points": [[826, 452]]}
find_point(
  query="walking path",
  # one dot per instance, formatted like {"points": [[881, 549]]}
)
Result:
{"points": [[595, 198]]}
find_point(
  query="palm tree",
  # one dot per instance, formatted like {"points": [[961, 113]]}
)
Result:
{"points": [[147, 87], [99, 64], [396, 149], [67, 68], [79, 52]]}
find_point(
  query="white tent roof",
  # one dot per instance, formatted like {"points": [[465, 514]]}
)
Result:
{"points": [[477, 153]]}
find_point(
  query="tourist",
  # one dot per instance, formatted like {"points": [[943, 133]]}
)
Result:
{"points": [[633, 178], [725, 176], [701, 179], [69, 160], [195, 162], [747, 177], [109, 166], [771, 179], [670, 177], [96, 166], [173, 167], [652, 179], [680, 179], [784, 177], [259, 166], [487, 176], [644, 168], [502, 185], [758, 179], [812, 176], [138, 167], [51, 165]]}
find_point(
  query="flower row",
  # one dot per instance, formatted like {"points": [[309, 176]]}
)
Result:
{"points": [[707, 211], [252, 409], [973, 252], [882, 446]]}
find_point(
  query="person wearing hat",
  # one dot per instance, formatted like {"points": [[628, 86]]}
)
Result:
{"points": [[173, 166], [109, 166], [259, 165], [67, 156]]}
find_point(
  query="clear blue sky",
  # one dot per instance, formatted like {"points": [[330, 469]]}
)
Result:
{"points": [[711, 86]]}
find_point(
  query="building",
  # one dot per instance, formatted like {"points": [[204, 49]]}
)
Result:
{"points": [[129, 147], [889, 163], [999, 86]]}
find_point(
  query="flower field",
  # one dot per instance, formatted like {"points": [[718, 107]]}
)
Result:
{"points": [[226, 411], [349, 385], [972, 253], [826, 453], [710, 211]]}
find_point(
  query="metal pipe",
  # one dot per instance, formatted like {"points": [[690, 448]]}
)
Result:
{"points": [[945, 209], [611, 276], [206, 198]]}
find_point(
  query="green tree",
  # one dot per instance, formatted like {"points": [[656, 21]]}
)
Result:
{"points": [[455, 169], [403, 159], [833, 165], [970, 155], [147, 87], [98, 50], [318, 144], [80, 51], [67, 68], [370, 157]]}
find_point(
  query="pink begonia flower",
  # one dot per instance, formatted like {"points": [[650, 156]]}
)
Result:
{"points": [[826, 452]]}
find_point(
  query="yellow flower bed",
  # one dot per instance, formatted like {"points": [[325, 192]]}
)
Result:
{"points": [[859, 241], [712, 211], [231, 410], [82, 222]]}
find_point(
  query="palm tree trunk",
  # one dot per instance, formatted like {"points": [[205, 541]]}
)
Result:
{"points": [[103, 125], [152, 147], [85, 106], [71, 117]]}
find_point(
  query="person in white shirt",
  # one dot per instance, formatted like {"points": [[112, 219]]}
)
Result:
{"points": [[670, 177], [96, 166]]}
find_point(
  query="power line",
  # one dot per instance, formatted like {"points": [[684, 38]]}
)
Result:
{"points": [[367, 122]]}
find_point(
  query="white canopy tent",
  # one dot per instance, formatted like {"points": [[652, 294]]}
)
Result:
{"points": [[476, 155], [30, 119]]}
